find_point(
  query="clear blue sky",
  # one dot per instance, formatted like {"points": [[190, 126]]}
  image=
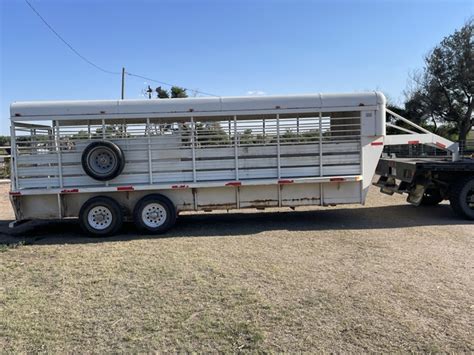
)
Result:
{"points": [[224, 47]]}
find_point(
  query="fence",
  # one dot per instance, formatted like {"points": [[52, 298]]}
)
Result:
{"points": [[5, 152]]}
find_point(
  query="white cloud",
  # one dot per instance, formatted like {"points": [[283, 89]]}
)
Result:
{"points": [[256, 93]]}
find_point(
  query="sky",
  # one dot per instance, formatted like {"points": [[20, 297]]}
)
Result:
{"points": [[226, 47]]}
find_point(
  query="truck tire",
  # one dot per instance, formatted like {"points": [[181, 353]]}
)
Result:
{"points": [[431, 197], [461, 197], [103, 160], [154, 214], [101, 216]]}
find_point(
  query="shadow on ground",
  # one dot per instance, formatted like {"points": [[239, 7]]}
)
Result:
{"points": [[241, 224]]}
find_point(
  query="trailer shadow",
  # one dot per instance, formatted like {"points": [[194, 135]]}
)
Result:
{"points": [[241, 224]]}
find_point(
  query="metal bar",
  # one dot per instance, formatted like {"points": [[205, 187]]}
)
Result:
{"points": [[320, 144], [103, 128], [58, 151], [396, 115], [165, 116], [150, 167], [193, 148], [399, 128], [236, 150], [13, 163], [278, 145], [60, 207], [170, 186], [103, 137]]}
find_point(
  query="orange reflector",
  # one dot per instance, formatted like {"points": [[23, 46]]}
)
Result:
{"points": [[125, 188], [15, 193], [69, 191], [413, 142], [337, 179], [285, 181], [376, 143], [441, 145], [234, 183]]}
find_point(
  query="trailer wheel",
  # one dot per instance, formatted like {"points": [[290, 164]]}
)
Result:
{"points": [[103, 160], [461, 197], [154, 214], [431, 197], [101, 216]]}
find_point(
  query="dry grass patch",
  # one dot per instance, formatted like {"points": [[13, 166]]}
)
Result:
{"points": [[330, 280]]}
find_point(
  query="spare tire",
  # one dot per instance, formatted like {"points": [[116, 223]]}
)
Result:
{"points": [[103, 160]]}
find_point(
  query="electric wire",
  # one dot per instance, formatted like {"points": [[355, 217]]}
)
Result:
{"points": [[88, 61]]}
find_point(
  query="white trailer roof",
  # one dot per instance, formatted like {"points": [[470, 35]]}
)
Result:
{"points": [[48, 110]]}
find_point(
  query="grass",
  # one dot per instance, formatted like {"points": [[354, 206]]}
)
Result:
{"points": [[338, 280]]}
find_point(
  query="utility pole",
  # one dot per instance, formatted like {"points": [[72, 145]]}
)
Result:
{"points": [[123, 83]]}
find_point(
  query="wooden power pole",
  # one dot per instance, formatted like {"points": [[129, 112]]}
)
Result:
{"points": [[123, 83]]}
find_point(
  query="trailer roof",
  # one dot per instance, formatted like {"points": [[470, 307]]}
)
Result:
{"points": [[73, 110]]}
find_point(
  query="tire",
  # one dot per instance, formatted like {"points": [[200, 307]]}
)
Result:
{"points": [[154, 214], [461, 197], [431, 197], [103, 160], [101, 216]]}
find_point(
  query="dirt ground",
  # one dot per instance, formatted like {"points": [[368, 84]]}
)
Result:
{"points": [[384, 277]]}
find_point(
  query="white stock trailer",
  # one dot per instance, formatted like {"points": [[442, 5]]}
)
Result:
{"points": [[104, 162]]}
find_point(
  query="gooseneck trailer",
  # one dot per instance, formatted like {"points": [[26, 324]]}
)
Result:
{"points": [[104, 162]]}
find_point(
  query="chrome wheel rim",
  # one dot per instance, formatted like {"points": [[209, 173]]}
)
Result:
{"points": [[102, 161], [154, 215], [100, 217]]}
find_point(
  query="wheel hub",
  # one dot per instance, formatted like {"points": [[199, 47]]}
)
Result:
{"points": [[99, 217], [154, 215]]}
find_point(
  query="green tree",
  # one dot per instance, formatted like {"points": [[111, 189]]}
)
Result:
{"points": [[178, 92], [443, 91], [162, 93]]}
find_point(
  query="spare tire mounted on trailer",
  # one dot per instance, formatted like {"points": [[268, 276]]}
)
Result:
{"points": [[103, 160]]}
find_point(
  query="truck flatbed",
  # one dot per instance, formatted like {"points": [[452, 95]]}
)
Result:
{"points": [[406, 169], [428, 181]]}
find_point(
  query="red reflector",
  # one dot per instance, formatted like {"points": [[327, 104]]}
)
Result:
{"points": [[69, 191], [441, 145], [125, 188], [15, 193], [337, 179], [234, 183], [376, 143], [179, 186], [413, 142], [285, 181]]}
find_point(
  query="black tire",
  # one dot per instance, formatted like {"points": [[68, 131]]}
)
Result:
{"points": [[109, 212], [461, 197], [431, 197], [103, 160], [157, 204]]}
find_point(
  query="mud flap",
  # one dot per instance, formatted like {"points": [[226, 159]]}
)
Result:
{"points": [[416, 195]]}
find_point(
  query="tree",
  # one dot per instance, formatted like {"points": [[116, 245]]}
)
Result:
{"points": [[174, 93], [178, 92], [162, 93], [443, 91]]}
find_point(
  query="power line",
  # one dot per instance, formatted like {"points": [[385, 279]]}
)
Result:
{"points": [[68, 44], [97, 66], [168, 84]]}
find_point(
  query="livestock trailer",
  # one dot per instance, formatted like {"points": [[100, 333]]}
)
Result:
{"points": [[104, 162]]}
